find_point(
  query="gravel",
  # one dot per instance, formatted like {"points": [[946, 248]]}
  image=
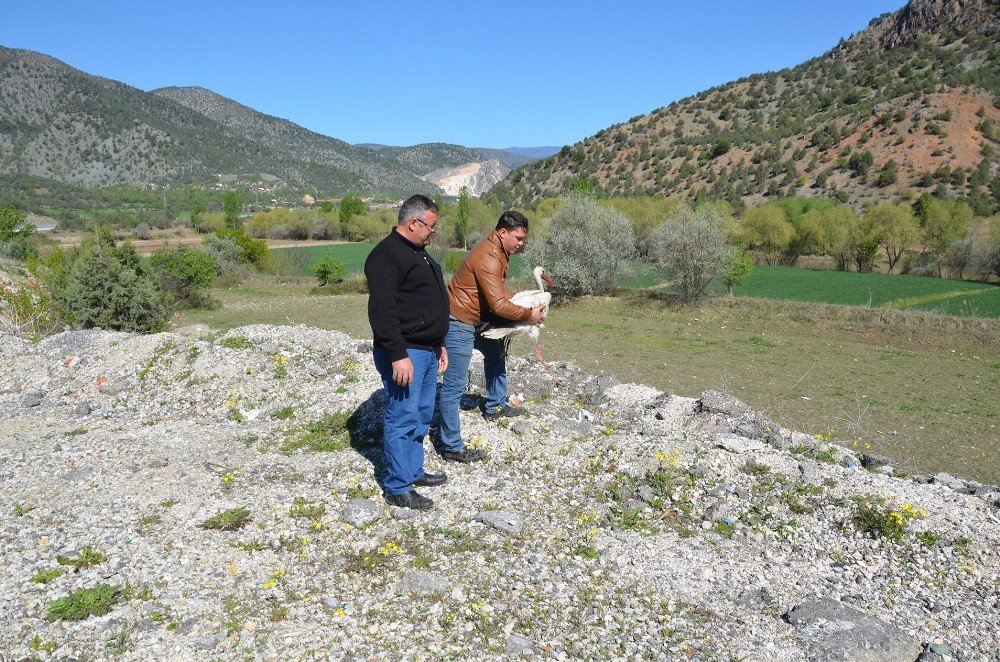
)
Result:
{"points": [[615, 521]]}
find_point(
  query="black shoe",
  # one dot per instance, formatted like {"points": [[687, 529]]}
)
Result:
{"points": [[409, 500], [430, 480], [465, 456], [508, 411]]}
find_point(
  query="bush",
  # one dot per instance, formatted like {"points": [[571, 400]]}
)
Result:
{"points": [[918, 264], [28, 308], [253, 252], [355, 285], [692, 245], [185, 274], [111, 288], [860, 162], [737, 267], [328, 270], [225, 252], [987, 257], [13, 224], [588, 248], [18, 248], [85, 602]]}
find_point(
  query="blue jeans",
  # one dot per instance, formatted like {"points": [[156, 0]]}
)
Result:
{"points": [[460, 342], [407, 417]]}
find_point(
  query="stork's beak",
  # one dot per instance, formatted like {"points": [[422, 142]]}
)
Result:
{"points": [[548, 280]]}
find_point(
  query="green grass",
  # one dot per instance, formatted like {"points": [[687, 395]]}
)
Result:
{"points": [[353, 255], [45, 576], [87, 557], [921, 388], [326, 435], [940, 295], [84, 602], [228, 520]]}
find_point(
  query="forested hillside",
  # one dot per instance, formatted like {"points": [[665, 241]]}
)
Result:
{"points": [[908, 106], [375, 170], [64, 125]]}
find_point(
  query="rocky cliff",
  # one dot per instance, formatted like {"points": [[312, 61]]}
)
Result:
{"points": [[478, 177]]}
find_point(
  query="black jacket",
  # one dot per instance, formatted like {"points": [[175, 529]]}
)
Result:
{"points": [[408, 303]]}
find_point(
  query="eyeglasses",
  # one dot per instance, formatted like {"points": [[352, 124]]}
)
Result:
{"points": [[432, 228]]}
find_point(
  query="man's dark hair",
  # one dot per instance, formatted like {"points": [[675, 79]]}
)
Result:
{"points": [[511, 220], [416, 206]]}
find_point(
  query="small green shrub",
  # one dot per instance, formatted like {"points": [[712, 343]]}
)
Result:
{"points": [[14, 224], [355, 285], [29, 308], [328, 270], [228, 520], [928, 538], [328, 434], [755, 468], [185, 274], [874, 517], [724, 529], [22, 509], [283, 414], [84, 602], [302, 508], [236, 342], [254, 251], [37, 644], [45, 576], [87, 557]]}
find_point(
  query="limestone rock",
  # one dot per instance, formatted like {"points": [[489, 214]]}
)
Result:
{"points": [[833, 632]]}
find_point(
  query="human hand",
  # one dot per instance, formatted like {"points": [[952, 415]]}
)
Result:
{"points": [[442, 361], [402, 371], [536, 315]]}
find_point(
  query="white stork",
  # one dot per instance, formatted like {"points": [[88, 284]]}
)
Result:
{"points": [[526, 299]]}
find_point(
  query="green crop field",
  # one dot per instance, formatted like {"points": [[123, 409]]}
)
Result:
{"points": [[940, 295], [353, 255]]}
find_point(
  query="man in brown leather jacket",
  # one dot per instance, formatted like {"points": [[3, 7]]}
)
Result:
{"points": [[477, 295]]}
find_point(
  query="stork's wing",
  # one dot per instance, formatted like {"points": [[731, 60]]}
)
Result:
{"points": [[531, 298]]}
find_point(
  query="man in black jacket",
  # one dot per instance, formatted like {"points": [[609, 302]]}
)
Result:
{"points": [[408, 313]]}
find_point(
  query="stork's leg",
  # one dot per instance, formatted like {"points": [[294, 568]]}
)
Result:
{"points": [[538, 354]]}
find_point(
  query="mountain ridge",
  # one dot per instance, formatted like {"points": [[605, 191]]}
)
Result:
{"points": [[916, 89]]}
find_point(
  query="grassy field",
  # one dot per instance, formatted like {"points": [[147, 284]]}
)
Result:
{"points": [[353, 255], [941, 295], [918, 387]]}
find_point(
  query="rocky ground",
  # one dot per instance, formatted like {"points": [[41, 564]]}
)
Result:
{"points": [[184, 496]]}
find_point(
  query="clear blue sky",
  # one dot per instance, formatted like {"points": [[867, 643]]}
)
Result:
{"points": [[481, 74]]}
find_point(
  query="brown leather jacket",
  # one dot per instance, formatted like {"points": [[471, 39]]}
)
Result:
{"points": [[477, 290]]}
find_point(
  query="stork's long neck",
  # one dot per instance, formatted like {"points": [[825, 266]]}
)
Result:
{"points": [[539, 281]]}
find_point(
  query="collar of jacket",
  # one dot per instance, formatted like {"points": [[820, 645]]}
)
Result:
{"points": [[406, 241], [495, 238]]}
